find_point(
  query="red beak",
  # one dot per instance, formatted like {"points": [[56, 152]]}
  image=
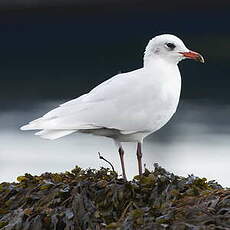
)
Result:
{"points": [[193, 55]]}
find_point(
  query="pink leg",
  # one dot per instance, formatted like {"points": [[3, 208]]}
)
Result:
{"points": [[121, 153], [139, 158]]}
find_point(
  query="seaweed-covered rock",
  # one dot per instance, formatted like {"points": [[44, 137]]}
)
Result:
{"points": [[98, 200]]}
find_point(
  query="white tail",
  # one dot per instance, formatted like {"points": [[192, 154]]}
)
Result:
{"points": [[54, 134]]}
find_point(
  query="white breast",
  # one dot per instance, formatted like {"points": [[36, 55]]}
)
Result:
{"points": [[164, 105]]}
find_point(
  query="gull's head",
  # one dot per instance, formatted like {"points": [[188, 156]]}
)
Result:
{"points": [[169, 48]]}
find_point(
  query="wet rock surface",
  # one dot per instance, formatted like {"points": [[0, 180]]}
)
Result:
{"points": [[99, 200]]}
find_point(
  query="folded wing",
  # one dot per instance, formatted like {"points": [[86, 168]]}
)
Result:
{"points": [[109, 105]]}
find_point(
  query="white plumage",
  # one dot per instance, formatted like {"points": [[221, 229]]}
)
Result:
{"points": [[128, 106]]}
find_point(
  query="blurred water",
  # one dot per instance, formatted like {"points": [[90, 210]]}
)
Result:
{"points": [[195, 141]]}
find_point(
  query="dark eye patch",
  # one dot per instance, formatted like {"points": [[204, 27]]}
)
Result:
{"points": [[170, 46]]}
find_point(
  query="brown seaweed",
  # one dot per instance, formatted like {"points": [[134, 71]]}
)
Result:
{"points": [[98, 200]]}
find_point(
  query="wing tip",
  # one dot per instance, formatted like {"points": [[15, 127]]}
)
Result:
{"points": [[25, 127]]}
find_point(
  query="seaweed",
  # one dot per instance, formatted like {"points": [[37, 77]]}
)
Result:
{"points": [[98, 200]]}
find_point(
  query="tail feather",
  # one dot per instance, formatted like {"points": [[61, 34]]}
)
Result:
{"points": [[54, 134]]}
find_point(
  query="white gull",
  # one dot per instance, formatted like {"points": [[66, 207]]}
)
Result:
{"points": [[127, 107]]}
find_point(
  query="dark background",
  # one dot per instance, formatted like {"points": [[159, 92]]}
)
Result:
{"points": [[50, 50], [55, 50]]}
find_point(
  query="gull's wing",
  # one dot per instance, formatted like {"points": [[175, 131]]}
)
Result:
{"points": [[118, 103]]}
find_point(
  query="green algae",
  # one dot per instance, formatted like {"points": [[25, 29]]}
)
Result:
{"points": [[3, 224]]}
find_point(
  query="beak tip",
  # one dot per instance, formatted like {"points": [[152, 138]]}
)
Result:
{"points": [[201, 59]]}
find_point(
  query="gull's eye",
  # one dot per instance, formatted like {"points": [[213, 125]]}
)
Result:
{"points": [[171, 46]]}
